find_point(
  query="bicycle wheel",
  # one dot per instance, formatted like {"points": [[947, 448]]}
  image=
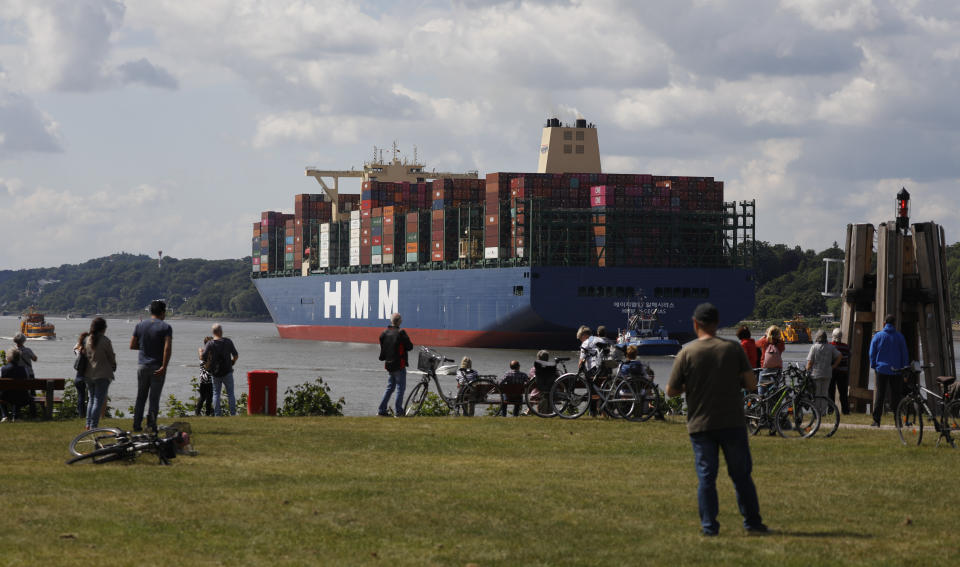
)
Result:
{"points": [[753, 410], [537, 402], [829, 415], [89, 441], [622, 400], [570, 395], [479, 392], [952, 416], [414, 401], [105, 454], [647, 404], [909, 420], [797, 418]]}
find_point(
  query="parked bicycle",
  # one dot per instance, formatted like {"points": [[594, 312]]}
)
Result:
{"points": [[829, 412], [108, 444], [482, 391], [781, 409], [917, 403], [536, 392], [572, 393]]}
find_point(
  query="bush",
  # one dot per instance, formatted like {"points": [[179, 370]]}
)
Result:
{"points": [[433, 406], [310, 399]]}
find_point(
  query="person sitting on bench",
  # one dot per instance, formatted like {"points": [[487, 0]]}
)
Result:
{"points": [[15, 399]]}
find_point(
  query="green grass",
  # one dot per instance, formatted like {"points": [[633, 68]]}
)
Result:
{"points": [[455, 491]]}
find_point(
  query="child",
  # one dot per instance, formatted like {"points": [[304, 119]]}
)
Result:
{"points": [[206, 383]]}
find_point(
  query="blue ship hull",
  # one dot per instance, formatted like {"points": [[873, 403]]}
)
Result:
{"points": [[522, 307]]}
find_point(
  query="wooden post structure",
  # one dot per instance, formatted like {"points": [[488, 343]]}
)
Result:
{"points": [[856, 318], [911, 284]]}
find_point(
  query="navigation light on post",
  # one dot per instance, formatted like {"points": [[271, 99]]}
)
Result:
{"points": [[903, 210]]}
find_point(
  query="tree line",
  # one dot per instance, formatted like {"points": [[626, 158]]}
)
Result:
{"points": [[127, 283]]}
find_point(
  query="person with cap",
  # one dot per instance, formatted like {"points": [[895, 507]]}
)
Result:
{"points": [[712, 372], [153, 339], [394, 347], [840, 379], [888, 354], [822, 358]]}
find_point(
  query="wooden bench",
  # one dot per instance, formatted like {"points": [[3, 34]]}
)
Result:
{"points": [[48, 385]]}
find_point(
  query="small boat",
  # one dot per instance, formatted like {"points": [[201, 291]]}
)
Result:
{"points": [[796, 331], [34, 326], [648, 335]]}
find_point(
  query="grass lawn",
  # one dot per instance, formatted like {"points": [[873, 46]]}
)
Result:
{"points": [[458, 491]]}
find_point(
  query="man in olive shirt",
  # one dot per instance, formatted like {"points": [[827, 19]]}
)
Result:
{"points": [[712, 372]]}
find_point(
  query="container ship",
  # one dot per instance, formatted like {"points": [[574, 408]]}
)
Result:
{"points": [[509, 260]]}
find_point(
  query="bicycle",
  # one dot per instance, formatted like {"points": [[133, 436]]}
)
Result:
{"points": [[483, 390], [536, 392], [572, 393], [782, 410], [108, 444], [829, 412], [911, 409]]}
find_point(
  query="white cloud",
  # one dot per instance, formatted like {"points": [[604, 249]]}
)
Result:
{"points": [[853, 104]]}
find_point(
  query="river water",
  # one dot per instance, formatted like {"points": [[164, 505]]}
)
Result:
{"points": [[350, 369]]}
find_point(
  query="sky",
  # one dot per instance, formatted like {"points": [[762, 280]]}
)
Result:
{"points": [[146, 125]]}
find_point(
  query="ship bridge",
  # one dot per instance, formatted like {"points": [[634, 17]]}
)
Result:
{"points": [[396, 170]]}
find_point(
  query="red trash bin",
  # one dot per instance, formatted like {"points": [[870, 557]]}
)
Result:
{"points": [[261, 392]]}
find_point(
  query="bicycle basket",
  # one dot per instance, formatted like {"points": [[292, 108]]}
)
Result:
{"points": [[429, 360]]}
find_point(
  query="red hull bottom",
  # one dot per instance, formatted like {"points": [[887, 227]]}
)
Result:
{"points": [[430, 337]]}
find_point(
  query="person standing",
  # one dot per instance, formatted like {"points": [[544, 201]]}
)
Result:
{"points": [[749, 345], [821, 360], [205, 403], [27, 356], [220, 355], [101, 365], [771, 358], [840, 380], [712, 371], [394, 346], [154, 339], [888, 353], [79, 380]]}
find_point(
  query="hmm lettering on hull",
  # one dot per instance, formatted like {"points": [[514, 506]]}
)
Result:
{"points": [[387, 299]]}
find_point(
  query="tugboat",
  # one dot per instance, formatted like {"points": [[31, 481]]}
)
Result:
{"points": [[648, 335], [34, 326], [796, 331]]}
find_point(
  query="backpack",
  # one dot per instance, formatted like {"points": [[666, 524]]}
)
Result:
{"points": [[81, 363], [771, 357]]}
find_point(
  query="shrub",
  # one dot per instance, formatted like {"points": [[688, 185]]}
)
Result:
{"points": [[310, 399], [433, 406]]}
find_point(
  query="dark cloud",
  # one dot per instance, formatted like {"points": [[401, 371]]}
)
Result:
{"points": [[146, 73], [24, 127]]}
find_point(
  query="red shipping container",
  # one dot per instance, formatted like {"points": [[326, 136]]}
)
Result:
{"points": [[376, 240]]}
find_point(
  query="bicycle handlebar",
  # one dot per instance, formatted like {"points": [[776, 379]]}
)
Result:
{"points": [[561, 359], [445, 359]]}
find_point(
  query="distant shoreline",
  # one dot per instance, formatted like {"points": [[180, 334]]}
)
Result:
{"points": [[145, 315]]}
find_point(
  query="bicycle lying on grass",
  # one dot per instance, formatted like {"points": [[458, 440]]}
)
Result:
{"points": [[482, 391], [108, 444], [911, 409]]}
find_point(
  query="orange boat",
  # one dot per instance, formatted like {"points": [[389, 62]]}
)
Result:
{"points": [[34, 326]]}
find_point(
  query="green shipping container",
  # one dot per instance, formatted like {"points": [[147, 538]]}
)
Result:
{"points": [[412, 237], [412, 257]]}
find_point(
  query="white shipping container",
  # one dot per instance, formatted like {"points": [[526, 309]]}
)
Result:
{"points": [[388, 258], [376, 259], [491, 253], [325, 228], [354, 216], [355, 241], [354, 225], [519, 251]]}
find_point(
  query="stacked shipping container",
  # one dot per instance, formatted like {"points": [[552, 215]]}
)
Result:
{"points": [[607, 220]]}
